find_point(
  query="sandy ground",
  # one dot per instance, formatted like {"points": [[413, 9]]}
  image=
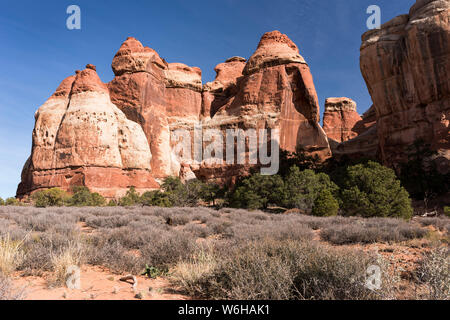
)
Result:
{"points": [[99, 284]]}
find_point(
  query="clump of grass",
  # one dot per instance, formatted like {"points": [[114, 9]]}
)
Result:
{"points": [[71, 255], [11, 254], [192, 272]]}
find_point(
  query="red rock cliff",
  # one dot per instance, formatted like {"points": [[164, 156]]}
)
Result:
{"points": [[406, 65]]}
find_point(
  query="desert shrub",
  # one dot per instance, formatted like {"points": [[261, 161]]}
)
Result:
{"points": [[371, 231], [39, 248], [168, 248], [155, 198], [198, 231], [114, 256], [43, 221], [434, 272], [279, 270], [441, 223], [53, 197], [12, 202], [302, 188], [110, 222], [2, 202], [257, 192], [11, 254], [276, 230], [447, 211], [372, 190], [325, 205]]}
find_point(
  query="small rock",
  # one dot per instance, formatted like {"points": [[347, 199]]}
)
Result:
{"points": [[140, 295]]}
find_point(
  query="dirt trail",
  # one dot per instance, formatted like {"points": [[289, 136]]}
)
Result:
{"points": [[99, 284]]}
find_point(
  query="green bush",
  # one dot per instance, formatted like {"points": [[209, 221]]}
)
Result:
{"points": [[131, 198], [447, 211], [372, 190], [303, 187], [12, 202], [211, 192], [2, 202], [299, 159], [53, 197], [156, 199], [325, 205], [257, 192], [183, 195], [83, 197], [112, 203]]}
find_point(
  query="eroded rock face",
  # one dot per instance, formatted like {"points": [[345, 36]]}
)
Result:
{"points": [[340, 119], [110, 137], [277, 86], [406, 65], [219, 92], [81, 138], [364, 144]]}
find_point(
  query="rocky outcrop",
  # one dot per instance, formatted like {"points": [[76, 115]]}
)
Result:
{"points": [[81, 138], [110, 137], [340, 119], [365, 144], [277, 86], [219, 92], [138, 89], [406, 65]]}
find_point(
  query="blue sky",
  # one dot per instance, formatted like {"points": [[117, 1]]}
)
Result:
{"points": [[38, 51]]}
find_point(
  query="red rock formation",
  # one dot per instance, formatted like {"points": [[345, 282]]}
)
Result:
{"points": [[277, 86], [340, 119], [255, 99], [219, 92], [81, 138], [273, 90], [365, 144], [406, 65]]}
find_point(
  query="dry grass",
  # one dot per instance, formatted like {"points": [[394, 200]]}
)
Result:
{"points": [[11, 254], [71, 255]]}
